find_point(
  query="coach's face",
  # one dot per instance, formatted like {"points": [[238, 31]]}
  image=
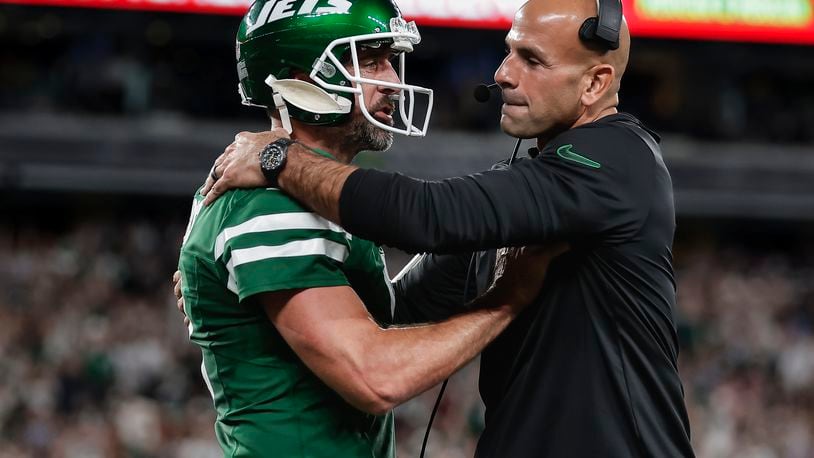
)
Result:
{"points": [[542, 74]]}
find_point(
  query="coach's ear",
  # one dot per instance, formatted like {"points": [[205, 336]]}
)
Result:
{"points": [[596, 83]]}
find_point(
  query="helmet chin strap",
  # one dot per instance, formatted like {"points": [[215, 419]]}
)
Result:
{"points": [[282, 108]]}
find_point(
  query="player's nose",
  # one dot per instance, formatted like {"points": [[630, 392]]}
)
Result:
{"points": [[389, 75]]}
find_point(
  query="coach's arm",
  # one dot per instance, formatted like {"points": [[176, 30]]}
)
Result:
{"points": [[538, 201]]}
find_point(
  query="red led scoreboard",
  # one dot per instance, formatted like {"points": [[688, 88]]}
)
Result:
{"points": [[771, 21]]}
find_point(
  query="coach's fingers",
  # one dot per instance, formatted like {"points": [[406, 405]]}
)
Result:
{"points": [[217, 189], [522, 270], [221, 163], [177, 288], [210, 181], [213, 174], [179, 304], [176, 284]]}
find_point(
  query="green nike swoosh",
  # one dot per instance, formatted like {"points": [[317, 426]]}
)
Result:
{"points": [[565, 152]]}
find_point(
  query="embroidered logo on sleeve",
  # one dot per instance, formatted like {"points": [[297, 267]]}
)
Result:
{"points": [[566, 152]]}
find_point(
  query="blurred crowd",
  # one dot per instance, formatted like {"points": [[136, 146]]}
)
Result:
{"points": [[131, 64], [95, 360], [747, 329]]}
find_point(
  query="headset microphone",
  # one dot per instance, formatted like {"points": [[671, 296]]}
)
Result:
{"points": [[483, 92]]}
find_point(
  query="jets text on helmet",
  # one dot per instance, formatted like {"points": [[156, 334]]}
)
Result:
{"points": [[281, 9]]}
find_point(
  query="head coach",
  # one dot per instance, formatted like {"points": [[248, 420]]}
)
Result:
{"points": [[592, 370]]}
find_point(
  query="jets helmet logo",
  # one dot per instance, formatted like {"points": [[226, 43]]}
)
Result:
{"points": [[281, 9]]}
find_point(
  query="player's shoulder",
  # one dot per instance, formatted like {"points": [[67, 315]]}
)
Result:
{"points": [[273, 210], [264, 200], [270, 221]]}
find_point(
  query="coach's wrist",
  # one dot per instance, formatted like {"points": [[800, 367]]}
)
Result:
{"points": [[294, 156]]}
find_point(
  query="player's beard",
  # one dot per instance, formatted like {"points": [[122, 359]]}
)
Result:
{"points": [[370, 137], [358, 134]]}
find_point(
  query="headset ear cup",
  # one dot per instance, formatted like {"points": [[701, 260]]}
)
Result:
{"points": [[587, 30]]}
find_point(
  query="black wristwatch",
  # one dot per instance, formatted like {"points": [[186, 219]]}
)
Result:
{"points": [[272, 159]]}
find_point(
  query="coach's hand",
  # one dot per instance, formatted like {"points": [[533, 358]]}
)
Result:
{"points": [[239, 165], [176, 280], [519, 272]]}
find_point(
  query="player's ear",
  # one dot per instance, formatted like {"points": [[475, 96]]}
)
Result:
{"points": [[598, 80]]}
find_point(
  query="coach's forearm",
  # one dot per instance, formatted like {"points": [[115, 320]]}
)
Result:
{"points": [[314, 180]]}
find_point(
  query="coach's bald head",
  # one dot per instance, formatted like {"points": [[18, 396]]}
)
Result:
{"points": [[552, 80]]}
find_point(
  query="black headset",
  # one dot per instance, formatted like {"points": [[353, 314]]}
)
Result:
{"points": [[603, 29]]}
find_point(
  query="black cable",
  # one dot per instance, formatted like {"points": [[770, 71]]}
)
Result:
{"points": [[516, 148], [432, 417], [472, 261]]}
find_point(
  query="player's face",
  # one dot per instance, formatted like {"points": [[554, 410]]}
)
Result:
{"points": [[540, 77], [375, 63]]}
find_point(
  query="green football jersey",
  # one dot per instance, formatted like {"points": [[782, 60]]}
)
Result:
{"points": [[268, 402]]}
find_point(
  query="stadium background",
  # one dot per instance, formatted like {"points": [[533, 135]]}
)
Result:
{"points": [[110, 118]]}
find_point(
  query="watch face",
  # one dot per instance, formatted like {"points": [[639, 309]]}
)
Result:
{"points": [[272, 157]]}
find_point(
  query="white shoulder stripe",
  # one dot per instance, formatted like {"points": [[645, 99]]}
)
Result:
{"points": [[324, 247], [231, 283], [276, 222]]}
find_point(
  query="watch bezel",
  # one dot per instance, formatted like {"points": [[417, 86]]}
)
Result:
{"points": [[273, 158]]}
